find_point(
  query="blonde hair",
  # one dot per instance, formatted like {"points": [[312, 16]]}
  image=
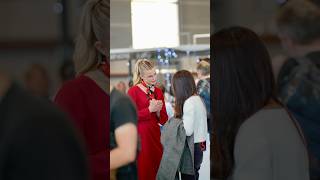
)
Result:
{"points": [[141, 66], [94, 26], [204, 67]]}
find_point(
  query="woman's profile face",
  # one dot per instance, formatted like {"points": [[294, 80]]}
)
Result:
{"points": [[149, 76]]}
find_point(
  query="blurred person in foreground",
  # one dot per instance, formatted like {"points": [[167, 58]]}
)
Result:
{"points": [[255, 137], [123, 136], [86, 98], [298, 81], [37, 141]]}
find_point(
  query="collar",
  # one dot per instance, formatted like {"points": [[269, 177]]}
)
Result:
{"points": [[150, 89]]}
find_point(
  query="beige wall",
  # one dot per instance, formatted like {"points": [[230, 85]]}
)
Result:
{"points": [[28, 20], [194, 18], [256, 14]]}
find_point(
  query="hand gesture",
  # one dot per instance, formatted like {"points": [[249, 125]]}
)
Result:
{"points": [[155, 105]]}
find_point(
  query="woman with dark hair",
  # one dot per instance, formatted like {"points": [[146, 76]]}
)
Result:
{"points": [[190, 108], [255, 137]]}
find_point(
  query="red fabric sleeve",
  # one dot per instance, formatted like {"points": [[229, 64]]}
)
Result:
{"points": [[163, 113]]}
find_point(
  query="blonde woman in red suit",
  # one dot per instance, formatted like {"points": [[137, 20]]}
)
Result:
{"points": [[149, 101]]}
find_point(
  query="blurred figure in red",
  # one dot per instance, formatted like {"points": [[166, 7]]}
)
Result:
{"points": [[87, 97]]}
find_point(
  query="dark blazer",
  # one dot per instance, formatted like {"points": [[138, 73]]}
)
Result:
{"points": [[37, 142]]}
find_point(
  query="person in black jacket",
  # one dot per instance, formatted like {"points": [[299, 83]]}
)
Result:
{"points": [[36, 140]]}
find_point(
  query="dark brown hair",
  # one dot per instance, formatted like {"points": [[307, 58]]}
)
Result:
{"points": [[243, 83], [183, 87]]}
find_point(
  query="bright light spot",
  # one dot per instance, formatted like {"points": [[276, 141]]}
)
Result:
{"points": [[155, 23]]}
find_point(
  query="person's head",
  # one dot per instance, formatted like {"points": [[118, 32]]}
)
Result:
{"points": [[243, 84], [93, 39], [144, 70], [121, 86], [203, 69], [37, 80], [298, 23], [183, 86]]}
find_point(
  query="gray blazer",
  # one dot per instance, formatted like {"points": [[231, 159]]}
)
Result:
{"points": [[178, 151], [268, 147]]}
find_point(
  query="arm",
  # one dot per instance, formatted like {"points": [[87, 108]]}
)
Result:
{"points": [[188, 117], [125, 152], [124, 120], [163, 116], [46, 147], [143, 114]]}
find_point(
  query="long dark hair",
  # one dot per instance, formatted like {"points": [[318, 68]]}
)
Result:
{"points": [[183, 87], [243, 83]]}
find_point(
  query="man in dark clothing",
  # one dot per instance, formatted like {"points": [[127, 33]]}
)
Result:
{"points": [[299, 77], [123, 136], [36, 140]]}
